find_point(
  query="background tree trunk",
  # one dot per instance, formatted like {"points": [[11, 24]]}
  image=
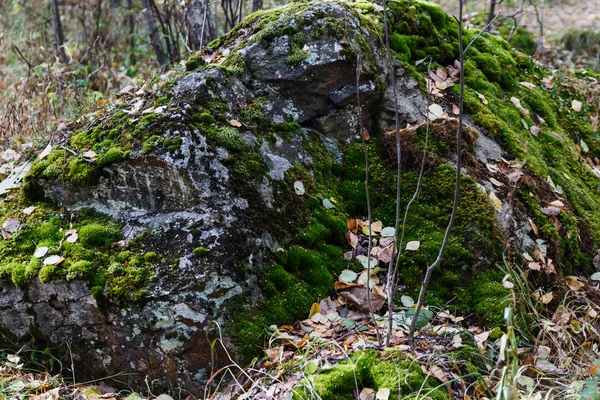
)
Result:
{"points": [[199, 24], [155, 40], [257, 5], [59, 40]]}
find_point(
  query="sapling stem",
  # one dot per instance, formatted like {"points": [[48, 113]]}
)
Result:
{"points": [[455, 201], [369, 246]]}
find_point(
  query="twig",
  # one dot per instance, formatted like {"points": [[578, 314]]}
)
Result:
{"points": [[390, 287], [364, 143], [438, 260]]}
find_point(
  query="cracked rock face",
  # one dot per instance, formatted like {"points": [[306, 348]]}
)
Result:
{"points": [[163, 337]]}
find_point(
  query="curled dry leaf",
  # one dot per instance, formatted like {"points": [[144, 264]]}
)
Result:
{"points": [[356, 296], [299, 188], [496, 182], [547, 297], [535, 130], [235, 123], [45, 152], [352, 239], [558, 203], [388, 232], [413, 245], [11, 225], [550, 210], [89, 154], [496, 201], [528, 85], [435, 112], [40, 252], [29, 210], [517, 103], [534, 266], [514, 176], [482, 98], [71, 236], [53, 260]]}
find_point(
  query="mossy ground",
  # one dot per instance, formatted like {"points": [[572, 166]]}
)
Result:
{"points": [[369, 369], [313, 237]]}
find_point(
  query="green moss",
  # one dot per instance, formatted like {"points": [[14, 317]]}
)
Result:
{"points": [[235, 63], [206, 118], [151, 257], [80, 172], [392, 370], [151, 143], [195, 61], [287, 129], [200, 252], [112, 155], [297, 52], [47, 273], [95, 234], [128, 283], [123, 256], [79, 270], [228, 138]]}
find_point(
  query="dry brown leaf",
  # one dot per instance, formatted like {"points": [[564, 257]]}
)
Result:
{"points": [[547, 297], [352, 225], [496, 182], [376, 226], [533, 226], [365, 134], [352, 239], [482, 98], [441, 73], [235, 123], [534, 266], [438, 373]]}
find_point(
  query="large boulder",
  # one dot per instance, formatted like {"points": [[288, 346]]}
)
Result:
{"points": [[187, 225]]}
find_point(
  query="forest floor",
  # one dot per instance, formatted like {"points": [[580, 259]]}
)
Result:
{"points": [[18, 382]]}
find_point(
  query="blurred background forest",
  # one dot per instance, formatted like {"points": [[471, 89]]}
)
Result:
{"points": [[62, 59]]}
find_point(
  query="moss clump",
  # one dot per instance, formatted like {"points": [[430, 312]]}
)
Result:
{"points": [[151, 144], [200, 252], [297, 52], [195, 61], [127, 283], [228, 138], [96, 235], [47, 273], [79, 172], [235, 64], [112, 155], [287, 129], [151, 257], [123, 256], [79, 270]]}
